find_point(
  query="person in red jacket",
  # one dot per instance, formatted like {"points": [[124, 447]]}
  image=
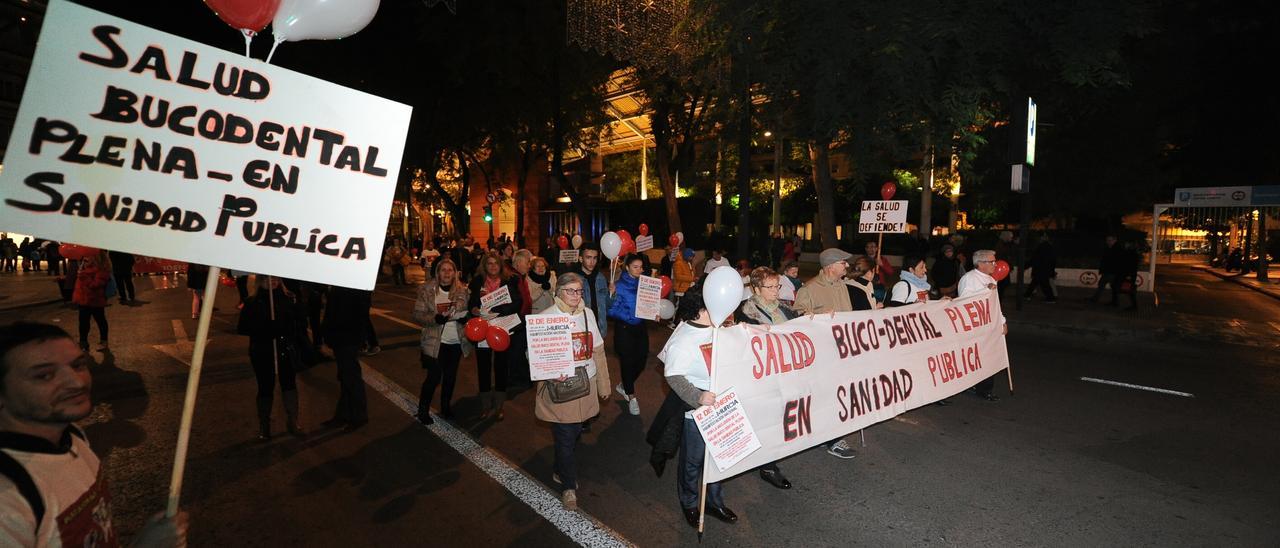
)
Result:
{"points": [[91, 296]]}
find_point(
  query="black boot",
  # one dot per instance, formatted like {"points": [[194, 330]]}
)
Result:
{"points": [[264, 418]]}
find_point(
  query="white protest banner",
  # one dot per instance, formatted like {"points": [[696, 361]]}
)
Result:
{"points": [[550, 338], [644, 243], [507, 323], [726, 429], [136, 140], [816, 378], [648, 293], [568, 256], [500, 296], [880, 216]]}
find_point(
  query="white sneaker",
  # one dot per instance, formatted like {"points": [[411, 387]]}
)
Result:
{"points": [[621, 392], [841, 450], [634, 405], [570, 499]]}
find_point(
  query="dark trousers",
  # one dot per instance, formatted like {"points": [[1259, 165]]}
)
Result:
{"points": [[124, 283], [315, 305], [689, 480], [442, 367], [631, 342], [55, 267], [517, 360], [566, 440], [986, 385], [397, 274], [1103, 280], [370, 335], [242, 287], [352, 403], [99, 315], [266, 369], [1043, 284], [491, 370]]}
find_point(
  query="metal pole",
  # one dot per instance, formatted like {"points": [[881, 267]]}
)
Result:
{"points": [[644, 173], [1024, 235]]}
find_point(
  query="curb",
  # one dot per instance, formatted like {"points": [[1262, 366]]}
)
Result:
{"points": [[1236, 280]]}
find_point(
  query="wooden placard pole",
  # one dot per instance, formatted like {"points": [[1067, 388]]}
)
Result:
{"points": [[193, 383], [706, 451]]}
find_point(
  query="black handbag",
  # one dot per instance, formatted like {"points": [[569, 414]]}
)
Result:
{"points": [[570, 389]]}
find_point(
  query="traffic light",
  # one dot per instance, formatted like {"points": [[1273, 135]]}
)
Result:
{"points": [[488, 214]]}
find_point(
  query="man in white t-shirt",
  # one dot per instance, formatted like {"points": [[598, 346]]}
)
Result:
{"points": [[975, 282], [53, 491], [716, 260]]}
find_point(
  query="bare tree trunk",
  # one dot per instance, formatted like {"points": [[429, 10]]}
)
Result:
{"points": [[744, 174], [819, 156], [457, 208], [662, 140]]}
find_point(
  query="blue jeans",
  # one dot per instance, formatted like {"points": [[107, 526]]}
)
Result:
{"points": [[566, 439], [688, 481]]}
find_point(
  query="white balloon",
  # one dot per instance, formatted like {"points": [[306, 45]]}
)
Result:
{"points": [[610, 245], [681, 236], [577, 241], [721, 293], [321, 19], [666, 309]]}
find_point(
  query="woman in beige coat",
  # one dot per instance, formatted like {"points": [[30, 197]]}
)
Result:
{"points": [[566, 418]]}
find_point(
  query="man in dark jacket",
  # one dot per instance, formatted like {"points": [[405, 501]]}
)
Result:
{"points": [[1108, 269], [1043, 263], [345, 315], [122, 269]]}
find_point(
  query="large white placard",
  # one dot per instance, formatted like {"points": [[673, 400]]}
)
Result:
{"points": [[550, 338], [883, 216], [816, 378], [132, 139]]}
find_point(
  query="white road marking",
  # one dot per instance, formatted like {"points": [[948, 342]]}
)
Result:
{"points": [[181, 348], [1139, 387], [386, 314], [578, 526], [906, 420]]}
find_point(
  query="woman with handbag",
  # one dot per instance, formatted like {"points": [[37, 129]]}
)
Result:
{"points": [[90, 295], [441, 308], [569, 401], [269, 318], [491, 365]]}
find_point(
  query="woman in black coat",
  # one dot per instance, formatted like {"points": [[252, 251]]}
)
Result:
{"points": [[491, 366], [271, 350]]}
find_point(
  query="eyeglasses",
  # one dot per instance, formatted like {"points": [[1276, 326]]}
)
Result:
{"points": [[990, 261], [571, 291], [775, 286]]}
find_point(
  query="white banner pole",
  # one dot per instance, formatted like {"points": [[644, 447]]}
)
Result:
{"points": [[193, 383], [706, 451]]}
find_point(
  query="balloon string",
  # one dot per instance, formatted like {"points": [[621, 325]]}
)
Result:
{"points": [[273, 49], [248, 39]]}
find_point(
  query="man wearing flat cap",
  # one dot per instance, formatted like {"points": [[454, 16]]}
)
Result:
{"points": [[826, 293]]}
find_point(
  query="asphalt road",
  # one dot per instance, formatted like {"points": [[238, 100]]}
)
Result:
{"points": [[1061, 463]]}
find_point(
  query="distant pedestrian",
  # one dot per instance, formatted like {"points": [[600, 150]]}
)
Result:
{"points": [[568, 415], [53, 256], [441, 308], [858, 282], [8, 254], [1109, 269], [884, 271], [716, 260], [269, 319], [1043, 264], [1128, 274], [197, 278], [397, 258], [345, 316], [53, 490], [122, 269], [91, 296], [630, 333], [790, 281], [24, 250], [1235, 260], [946, 271], [541, 284]]}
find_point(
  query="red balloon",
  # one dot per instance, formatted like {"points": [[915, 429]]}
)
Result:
{"points": [[1002, 270], [563, 241], [498, 338], [673, 240], [887, 190], [227, 281], [644, 229], [628, 247], [248, 15], [623, 234], [476, 329], [666, 286], [76, 252]]}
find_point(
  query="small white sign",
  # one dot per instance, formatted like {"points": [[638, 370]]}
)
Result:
{"points": [[569, 256], [881, 216], [648, 293], [498, 297], [508, 323], [726, 430], [550, 339], [644, 243]]}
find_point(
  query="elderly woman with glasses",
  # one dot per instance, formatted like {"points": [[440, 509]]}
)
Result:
{"points": [[566, 417], [764, 308]]}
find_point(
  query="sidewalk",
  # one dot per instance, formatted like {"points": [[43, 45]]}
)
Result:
{"points": [[1269, 287], [23, 289]]}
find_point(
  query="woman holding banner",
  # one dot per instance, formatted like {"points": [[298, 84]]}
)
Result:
{"points": [[441, 308], [764, 308], [491, 364], [687, 369], [631, 335], [90, 296], [270, 318], [913, 287], [566, 417]]}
